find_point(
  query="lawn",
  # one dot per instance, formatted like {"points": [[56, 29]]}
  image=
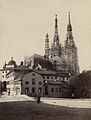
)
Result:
{"points": [[30, 110]]}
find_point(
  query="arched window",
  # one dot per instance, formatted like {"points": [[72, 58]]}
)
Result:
{"points": [[33, 81]]}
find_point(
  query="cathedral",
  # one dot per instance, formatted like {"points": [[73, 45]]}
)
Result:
{"points": [[65, 57]]}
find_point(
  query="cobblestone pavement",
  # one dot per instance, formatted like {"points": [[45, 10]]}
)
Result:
{"points": [[26, 108]]}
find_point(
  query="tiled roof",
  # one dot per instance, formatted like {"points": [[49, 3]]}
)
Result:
{"points": [[8, 68], [45, 72], [19, 77], [49, 72], [20, 69]]}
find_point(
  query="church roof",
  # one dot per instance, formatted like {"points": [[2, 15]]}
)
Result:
{"points": [[39, 56]]}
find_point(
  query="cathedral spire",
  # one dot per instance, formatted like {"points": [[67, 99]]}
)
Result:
{"points": [[47, 45], [56, 36], [69, 27], [69, 17], [56, 25], [69, 37]]}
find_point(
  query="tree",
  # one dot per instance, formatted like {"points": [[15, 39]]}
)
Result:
{"points": [[81, 85]]}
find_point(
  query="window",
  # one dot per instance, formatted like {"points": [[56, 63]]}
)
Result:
{"points": [[2, 76], [43, 77], [55, 77], [65, 78], [40, 83], [52, 89], [47, 77], [7, 82], [6, 71], [33, 74], [62, 78], [59, 89], [56, 90], [26, 90], [3, 72], [52, 77], [33, 90], [26, 82], [33, 81], [40, 90]]}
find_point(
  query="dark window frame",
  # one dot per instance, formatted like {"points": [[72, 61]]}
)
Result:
{"points": [[52, 90], [33, 90], [40, 83], [56, 89], [33, 81], [26, 82]]}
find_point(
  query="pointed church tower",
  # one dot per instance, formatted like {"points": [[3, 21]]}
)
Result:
{"points": [[69, 38], [56, 36], [47, 45], [56, 46], [71, 50]]}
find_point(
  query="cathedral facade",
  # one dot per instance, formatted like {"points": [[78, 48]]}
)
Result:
{"points": [[65, 57]]}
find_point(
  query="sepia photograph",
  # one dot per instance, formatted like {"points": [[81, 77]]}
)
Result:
{"points": [[45, 60]]}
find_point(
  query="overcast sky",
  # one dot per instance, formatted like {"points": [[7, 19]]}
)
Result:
{"points": [[24, 24]]}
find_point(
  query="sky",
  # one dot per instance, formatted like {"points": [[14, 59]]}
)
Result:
{"points": [[24, 24]]}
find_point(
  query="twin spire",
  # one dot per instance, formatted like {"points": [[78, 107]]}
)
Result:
{"points": [[56, 43], [69, 27], [56, 35]]}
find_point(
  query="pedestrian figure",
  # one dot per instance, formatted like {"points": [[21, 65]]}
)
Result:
{"points": [[0, 94], [39, 96], [9, 92], [38, 99]]}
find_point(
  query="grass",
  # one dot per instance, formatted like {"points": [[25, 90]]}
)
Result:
{"points": [[30, 110]]}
